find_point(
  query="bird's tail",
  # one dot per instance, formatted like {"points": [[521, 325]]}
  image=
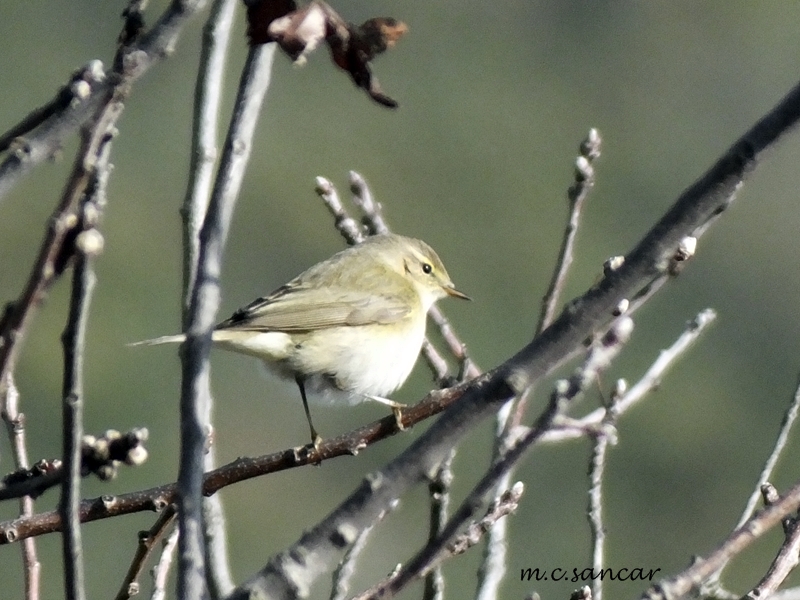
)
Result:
{"points": [[164, 339]]}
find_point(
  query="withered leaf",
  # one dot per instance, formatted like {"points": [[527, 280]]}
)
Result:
{"points": [[298, 31], [354, 52], [261, 13]]}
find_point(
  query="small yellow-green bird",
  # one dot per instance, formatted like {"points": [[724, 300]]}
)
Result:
{"points": [[348, 329]]}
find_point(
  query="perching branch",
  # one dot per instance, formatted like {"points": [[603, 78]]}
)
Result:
{"points": [[157, 498]]}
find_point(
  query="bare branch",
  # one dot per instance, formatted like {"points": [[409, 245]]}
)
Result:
{"points": [[503, 505], [703, 568], [208, 90], [439, 497], [144, 550], [346, 568], [15, 423], [158, 498], [207, 93], [372, 211], [99, 456], [788, 422], [89, 177], [577, 194], [287, 574], [161, 570], [205, 295], [651, 379], [788, 556], [604, 438], [65, 119], [343, 222]]}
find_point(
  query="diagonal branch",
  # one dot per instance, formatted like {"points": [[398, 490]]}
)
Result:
{"points": [[294, 570], [59, 119]]}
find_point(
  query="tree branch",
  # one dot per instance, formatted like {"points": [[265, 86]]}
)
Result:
{"points": [[702, 568], [60, 119], [286, 574], [195, 391], [208, 90], [15, 424]]}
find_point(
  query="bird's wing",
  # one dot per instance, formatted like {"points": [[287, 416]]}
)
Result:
{"points": [[293, 308]]}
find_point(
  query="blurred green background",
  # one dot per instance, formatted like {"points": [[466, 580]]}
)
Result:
{"points": [[494, 100]]}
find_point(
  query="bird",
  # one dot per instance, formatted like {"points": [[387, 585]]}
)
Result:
{"points": [[349, 328]]}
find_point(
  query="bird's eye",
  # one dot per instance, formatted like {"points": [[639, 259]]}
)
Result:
{"points": [[426, 268]]}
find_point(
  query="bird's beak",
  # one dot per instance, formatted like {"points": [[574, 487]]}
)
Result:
{"points": [[452, 291]]}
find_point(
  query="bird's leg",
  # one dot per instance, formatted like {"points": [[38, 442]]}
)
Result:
{"points": [[315, 439], [397, 409]]}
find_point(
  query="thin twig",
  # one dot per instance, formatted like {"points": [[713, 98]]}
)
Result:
{"points": [[92, 162], [500, 507], [204, 149], [439, 494], [208, 91], [131, 62], [344, 223], [15, 424], [505, 504], [147, 543], [371, 210], [650, 380], [788, 556], [344, 572], [72, 413], [787, 423], [195, 390], [88, 181], [161, 570], [577, 194], [701, 569], [605, 437], [74, 92]]}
